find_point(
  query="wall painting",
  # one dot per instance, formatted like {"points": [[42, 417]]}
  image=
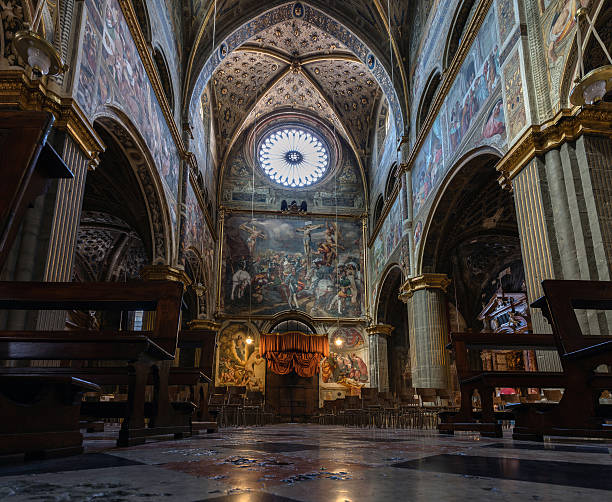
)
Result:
{"points": [[513, 94], [279, 263], [238, 363]]}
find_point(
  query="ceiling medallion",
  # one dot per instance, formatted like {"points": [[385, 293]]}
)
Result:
{"points": [[298, 10], [293, 157]]}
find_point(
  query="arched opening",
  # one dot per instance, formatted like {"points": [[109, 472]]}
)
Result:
{"points": [[473, 237], [161, 66], [293, 398], [378, 207], [457, 28], [391, 310], [391, 181], [114, 240], [142, 14], [431, 87]]}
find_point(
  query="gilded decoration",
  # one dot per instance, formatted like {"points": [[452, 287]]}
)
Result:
{"points": [[165, 273], [17, 90], [425, 281], [567, 125], [380, 329]]}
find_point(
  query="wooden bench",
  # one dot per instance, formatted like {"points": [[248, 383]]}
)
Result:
{"points": [[146, 356], [578, 413]]}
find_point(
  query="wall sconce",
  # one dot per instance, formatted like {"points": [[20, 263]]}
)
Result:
{"points": [[592, 87], [39, 54], [338, 342]]}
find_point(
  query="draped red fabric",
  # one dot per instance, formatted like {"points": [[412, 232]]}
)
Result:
{"points": [[294, 351], [305, 365], [293, 341]]}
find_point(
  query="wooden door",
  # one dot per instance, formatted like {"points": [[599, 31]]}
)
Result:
{"points": [[293, 398]]}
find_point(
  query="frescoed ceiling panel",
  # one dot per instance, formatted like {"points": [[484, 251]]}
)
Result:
{"points": [[353, 92], [237, 83]]}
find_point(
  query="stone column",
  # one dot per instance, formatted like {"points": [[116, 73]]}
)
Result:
{"points": [[562, 191], [425, 297], [379, 363]]}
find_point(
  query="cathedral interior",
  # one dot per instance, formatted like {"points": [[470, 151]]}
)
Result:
{"points": [[299, 251]]}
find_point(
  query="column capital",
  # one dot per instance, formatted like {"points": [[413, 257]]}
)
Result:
{"points": [[425, 281], [380, 329], [205, 324], [567, 125], [165, 273]]}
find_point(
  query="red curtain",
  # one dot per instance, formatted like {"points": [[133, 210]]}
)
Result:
{"points": [[294, 351]]}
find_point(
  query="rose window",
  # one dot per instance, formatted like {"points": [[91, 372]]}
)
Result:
{"points": [[293, 157]]}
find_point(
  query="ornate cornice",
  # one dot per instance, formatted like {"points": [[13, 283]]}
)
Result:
{"points": [[567, 125], [425, 281], [165, 273], [17, 91], [380, 329], [448, 78], [204, 324]]}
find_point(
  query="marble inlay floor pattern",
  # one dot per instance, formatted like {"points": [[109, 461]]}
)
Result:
{"points": [[296, 462]]}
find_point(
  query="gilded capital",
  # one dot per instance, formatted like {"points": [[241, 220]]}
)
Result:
{"points": [[425, 281], [380, 329], [205, 324], [567, 125], [165, 273]]}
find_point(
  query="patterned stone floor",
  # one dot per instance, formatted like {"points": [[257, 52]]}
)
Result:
{"points": [[295, 462]]}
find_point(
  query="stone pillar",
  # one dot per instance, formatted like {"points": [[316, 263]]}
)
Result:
{"points": [[63, 228], [425, 297], [562, 189], [379, 363]]}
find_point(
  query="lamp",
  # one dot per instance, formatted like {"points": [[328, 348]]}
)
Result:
{"points": [[39, 54], [338, 342], [249, 340], [593, 86]]}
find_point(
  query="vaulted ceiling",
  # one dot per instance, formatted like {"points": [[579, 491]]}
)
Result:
{"points": [[292, 64]]}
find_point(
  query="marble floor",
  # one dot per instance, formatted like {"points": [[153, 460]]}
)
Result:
{"points": [[296, 462]]}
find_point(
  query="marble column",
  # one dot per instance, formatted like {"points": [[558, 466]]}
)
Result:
{"points": [[565, 223], [425, 296], [379, 363]]}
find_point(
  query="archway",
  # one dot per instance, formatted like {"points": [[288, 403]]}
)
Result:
{"points": [[293, 397], [473, 238], [392, 311]]}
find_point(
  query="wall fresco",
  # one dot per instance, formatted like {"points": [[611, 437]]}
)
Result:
{"points": [[111, 73], [346, 366], [513, 94], [387, 240], [506, 16], [278, 263], [238, 363], [474, 97]]}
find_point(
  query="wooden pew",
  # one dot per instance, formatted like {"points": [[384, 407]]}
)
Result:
{"points": [[578, 413], [148, 354], [488, 422]]}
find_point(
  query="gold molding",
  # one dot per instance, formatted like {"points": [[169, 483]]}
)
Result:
{"points": [[271, 212], [425, 281], [18, 91], [567, 125], [165, 273], [380, 329], [448, 78], [206, 324]]}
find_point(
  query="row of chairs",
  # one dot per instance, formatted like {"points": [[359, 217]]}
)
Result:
{"points": [[237, 406]]}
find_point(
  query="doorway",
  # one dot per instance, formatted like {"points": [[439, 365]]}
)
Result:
{"points": [[292, 397]]}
